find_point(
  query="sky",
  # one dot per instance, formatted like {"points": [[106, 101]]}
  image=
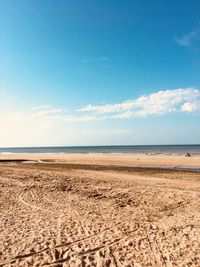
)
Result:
{"points": [[99, 72]]}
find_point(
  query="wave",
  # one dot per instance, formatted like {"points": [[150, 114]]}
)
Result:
{"points": [[174, 150]]}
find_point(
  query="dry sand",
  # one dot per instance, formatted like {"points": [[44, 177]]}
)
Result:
{"points": [[62, 215]]}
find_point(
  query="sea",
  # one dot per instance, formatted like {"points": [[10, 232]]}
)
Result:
{"points": [[125, 149]]}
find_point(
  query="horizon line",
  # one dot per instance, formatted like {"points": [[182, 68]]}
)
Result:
{"points": [[74, 146]]}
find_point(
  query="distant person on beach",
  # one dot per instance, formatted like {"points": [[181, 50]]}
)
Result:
{"points": [[187, 154]]}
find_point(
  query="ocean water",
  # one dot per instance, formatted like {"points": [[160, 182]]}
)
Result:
{"points": [[148, 150]]}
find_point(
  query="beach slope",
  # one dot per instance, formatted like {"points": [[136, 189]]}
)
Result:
{"points": [[55, 214]]}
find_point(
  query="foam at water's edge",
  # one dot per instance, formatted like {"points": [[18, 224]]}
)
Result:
{"points": [[152, 150]]}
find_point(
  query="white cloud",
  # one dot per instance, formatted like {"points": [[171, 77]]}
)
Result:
{"points": [[124, 115], [191, 107], [52, 115], [46, 112], [46, 109], [41, 107], [101, 62], [74, 118], [158, 103], [187, 39], [95, 59]]}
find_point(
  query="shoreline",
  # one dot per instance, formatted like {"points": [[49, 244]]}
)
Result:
{"points": [[98, 153], [134, 160]]}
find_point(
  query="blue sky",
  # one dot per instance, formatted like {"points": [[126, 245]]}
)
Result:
{"points": [[91, 72]]}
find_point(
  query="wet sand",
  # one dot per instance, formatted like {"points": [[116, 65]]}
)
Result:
{"points": [[109, 159], [72, 213]]}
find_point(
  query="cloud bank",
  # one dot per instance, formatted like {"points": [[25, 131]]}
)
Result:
{"points": [[183, 100], [159, 103]]}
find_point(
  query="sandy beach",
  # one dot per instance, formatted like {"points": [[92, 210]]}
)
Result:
{"points": [[61, 213], [109, 159]]}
